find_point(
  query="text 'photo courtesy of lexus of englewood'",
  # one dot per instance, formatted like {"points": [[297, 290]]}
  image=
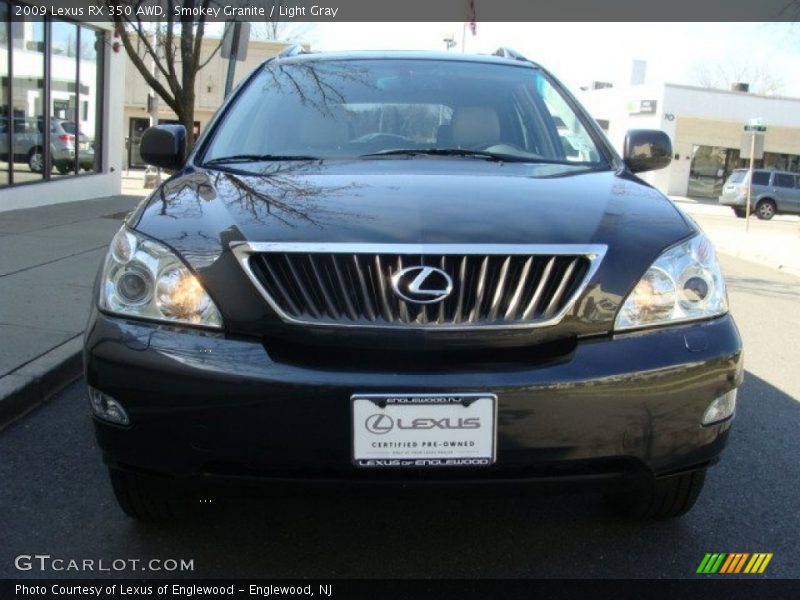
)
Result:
{"points": [[409, 267]]}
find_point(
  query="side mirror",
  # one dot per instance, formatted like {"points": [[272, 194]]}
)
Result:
{"points": [[164, 146], [647, 150]]}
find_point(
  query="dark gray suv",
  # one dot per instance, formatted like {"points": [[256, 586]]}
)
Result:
{"points": [[379, 267]]}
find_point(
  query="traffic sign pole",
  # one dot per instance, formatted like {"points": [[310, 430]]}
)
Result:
{"points": [[232, 59], [755, 127], [750, 181]]}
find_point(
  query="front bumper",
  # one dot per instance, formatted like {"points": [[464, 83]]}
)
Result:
{"points": [[203, 405]]}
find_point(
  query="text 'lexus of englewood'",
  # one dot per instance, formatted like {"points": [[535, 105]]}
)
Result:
{"points": [[409, 267]]}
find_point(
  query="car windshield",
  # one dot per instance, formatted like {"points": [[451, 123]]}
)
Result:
{"points": [[332, 109]]}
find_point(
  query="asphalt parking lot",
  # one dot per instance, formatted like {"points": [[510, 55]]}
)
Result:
{"points": [[55, 498]]}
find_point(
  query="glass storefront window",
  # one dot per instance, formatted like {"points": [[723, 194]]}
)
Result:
{"points": [[711, 166], [90, 117], [63, 97], [51, 98], [27, 100], [5, 89]]}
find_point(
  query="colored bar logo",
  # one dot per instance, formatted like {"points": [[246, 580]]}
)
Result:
{"points": [[735, 562]]}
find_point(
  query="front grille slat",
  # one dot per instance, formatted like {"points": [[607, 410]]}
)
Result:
{"points": [[462, 286], [530, 310], [440, 316], [284, 293], [562, 285], [356, 288], [310, 303], [499, 288], [480, 287], [323, 287], [386, 308], [517, 296], [349, 306], [404, 315], [365, 293]]}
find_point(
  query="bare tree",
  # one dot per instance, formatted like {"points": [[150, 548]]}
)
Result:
{"points": [[281, 31], [174, 47], [721, 75]]}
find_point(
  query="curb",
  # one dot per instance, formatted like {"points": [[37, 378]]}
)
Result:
{"points": [[34, 383], [758, 260]]}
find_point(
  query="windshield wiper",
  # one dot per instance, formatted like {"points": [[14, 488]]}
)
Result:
{"points": [[494, 156], [245, 158]]}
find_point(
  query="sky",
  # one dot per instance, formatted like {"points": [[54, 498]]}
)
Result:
{"points": [[578, 53]]}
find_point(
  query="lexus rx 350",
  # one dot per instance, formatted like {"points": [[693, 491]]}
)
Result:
{"points": [[409, 267]]}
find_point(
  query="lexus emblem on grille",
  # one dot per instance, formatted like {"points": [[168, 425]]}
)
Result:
{"points": [[422, 285]]}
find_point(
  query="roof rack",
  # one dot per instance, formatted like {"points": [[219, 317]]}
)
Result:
{"points": [[504, 52], [509, 53], [293, 50]]}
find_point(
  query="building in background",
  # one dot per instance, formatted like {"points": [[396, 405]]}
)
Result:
{"points": [[61, 90], [209, 93], [705, 126]]}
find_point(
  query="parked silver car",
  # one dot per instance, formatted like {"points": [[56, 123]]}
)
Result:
{"points": [[28, 144], [772, 193]]}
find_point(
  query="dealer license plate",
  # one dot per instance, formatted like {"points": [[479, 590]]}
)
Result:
{"points": [[424, 430]]}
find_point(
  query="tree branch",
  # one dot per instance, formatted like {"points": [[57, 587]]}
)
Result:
{"points": [[138, 62]]}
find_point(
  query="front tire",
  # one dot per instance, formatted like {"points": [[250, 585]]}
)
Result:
{"points": [[739, 212], [664, 498], [146, 498], [766, 209]]}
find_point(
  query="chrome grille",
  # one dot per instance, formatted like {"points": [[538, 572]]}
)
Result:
{"points": [[350, 284]]}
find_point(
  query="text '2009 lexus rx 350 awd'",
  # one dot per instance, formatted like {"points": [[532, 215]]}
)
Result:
{"points": [[409, 267]]}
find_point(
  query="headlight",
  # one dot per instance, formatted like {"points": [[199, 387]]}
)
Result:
{"points": [[142, 278], [683, 284]]}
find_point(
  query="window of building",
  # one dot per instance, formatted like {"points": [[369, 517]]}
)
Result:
{"points": [[5, 97], [27, 101], [51, 102]]}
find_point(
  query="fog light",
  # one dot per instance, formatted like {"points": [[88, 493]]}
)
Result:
{"points": [[106, 408], [720, 409]]}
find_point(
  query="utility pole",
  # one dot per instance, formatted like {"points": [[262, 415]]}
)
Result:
{"points": [[152, 107]]}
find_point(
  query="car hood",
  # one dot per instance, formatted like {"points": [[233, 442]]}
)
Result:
{"points": [[410, 201], [420, 200]]}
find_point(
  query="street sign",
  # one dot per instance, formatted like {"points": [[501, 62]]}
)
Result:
{"points": [[749, 142], [235, 40], [234, 47]]}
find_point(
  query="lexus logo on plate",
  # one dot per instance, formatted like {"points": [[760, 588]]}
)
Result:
{"points": [[379, 424], [422, 285]]}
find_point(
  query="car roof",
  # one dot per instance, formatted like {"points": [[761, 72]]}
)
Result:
{"points": [[762, 170], [303, 56]]}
